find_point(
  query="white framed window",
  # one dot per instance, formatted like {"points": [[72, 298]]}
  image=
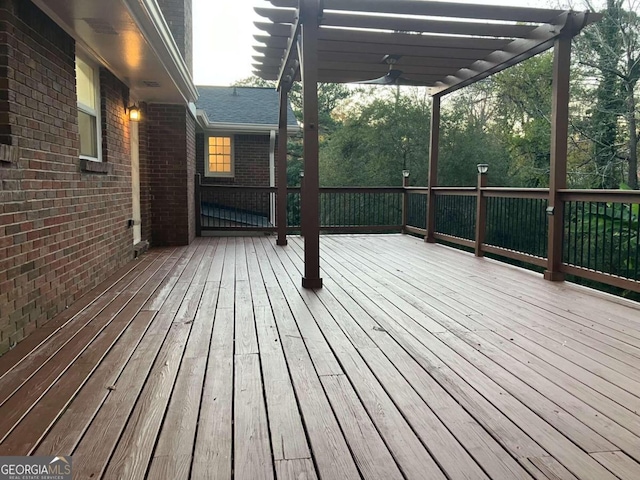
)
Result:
{"points": [[89, 125], [219, 160]]}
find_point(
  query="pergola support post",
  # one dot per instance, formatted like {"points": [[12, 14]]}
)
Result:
{"points": [[433, 169], [281, 212], [559, 140], [310, 12]]}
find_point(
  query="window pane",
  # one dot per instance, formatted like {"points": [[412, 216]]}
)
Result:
{"points": [[85, 84], [220, 154], [87, 128]]}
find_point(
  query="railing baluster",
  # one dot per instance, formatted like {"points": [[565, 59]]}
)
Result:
{"points": [[620, 239], [566, 249], [637, 249]]}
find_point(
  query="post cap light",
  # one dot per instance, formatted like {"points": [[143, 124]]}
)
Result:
{"points": [[301, 174], [405, 173], [134, 113], [483, 168]]}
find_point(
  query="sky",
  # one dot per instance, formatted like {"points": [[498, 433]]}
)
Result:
{"points": [[223, 37]]}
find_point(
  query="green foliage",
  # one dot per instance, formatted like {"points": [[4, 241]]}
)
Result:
{"points": [[379, 140], [468, 137], [609, 51], [604, 237], [523, 118]]}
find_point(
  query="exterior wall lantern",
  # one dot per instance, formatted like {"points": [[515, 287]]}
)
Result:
{"points": [[134, 113]]}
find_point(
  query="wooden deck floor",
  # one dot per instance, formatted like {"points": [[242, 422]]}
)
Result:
{"points": [[414, 362]]}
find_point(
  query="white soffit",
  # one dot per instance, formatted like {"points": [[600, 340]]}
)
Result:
{"points": [[132, 40]]}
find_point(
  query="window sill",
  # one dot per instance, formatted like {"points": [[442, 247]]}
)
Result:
{"points": [[219, 175], [99, 168], [8, 154]]}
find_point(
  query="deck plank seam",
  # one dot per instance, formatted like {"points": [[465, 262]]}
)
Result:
{"points": [[65, 369], [185, 257], [553, 427], [471, 386], [285, 252], [268, 259], [177, 368], [328, 287]]}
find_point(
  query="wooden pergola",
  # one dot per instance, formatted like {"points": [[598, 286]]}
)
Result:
{"points": [[440, 45]]}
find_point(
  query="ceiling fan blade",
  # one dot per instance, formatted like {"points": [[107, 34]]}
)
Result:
{"points": [[409, 83], [389, 79]]}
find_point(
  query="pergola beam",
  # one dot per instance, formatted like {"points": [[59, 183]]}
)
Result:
{"points": [[435, 9], [328, 46], [468, 56], [542, 38], [281, 18], [373, 58], [352, 71], [290, 60], [392, 39]]}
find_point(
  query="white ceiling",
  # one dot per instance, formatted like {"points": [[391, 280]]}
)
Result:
{"points": [[131, 39]]}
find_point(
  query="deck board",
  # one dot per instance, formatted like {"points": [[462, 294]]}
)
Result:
{"points": [[518, 412], [414, 361]]}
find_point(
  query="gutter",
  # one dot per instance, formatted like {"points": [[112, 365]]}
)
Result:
{"points": [[151, 22], [204, 122]]}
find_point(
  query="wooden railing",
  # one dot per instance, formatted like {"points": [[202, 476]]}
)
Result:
{"points": [[343, 209], [601, 235]]}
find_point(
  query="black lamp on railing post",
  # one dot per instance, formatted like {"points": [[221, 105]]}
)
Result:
{"points": [[405, 200], [481, 209]]}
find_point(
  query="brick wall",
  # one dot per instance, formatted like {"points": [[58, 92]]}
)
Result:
{"points": [[251, 156], [171, 164], [178, 14], [62, 230]]}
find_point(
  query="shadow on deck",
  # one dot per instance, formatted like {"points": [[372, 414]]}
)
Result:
{"points": [[415, 361]]}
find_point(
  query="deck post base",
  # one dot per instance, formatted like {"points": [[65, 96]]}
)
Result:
{"points": [[282, 242], [554, 276], [430, 240], [311, 283]]}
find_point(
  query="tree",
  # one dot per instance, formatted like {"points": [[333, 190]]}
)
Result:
{"points": [[523, 118], [330, 95], [610, 51], [469, 136], [379, 139]]}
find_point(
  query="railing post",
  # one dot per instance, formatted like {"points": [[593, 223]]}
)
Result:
{"points": [[301, 199], [281, 212], [405, 200], [433, 169], [198, 205], [481, 209], [558, 174]]}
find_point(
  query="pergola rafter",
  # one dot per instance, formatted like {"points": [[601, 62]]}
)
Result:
{"points": [[441, 45]]}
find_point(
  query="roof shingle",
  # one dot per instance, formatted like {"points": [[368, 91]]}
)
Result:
{"points": [[242, 105]]}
